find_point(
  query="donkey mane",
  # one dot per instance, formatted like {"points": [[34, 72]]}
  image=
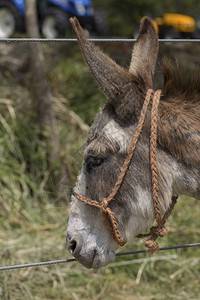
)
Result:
{"points": [[179, 86], [179, 115]]}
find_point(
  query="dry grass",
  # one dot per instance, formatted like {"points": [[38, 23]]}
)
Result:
{"points": [[169, 275]]}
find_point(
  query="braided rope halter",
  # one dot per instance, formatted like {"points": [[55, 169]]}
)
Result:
{"points": [[108, 216]]}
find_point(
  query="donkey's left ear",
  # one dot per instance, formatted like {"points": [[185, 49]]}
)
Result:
{"points": [[145, 52]]}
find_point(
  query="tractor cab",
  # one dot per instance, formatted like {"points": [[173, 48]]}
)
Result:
{"points": [[53, 17]]}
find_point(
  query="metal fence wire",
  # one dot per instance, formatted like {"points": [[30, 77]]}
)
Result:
{"points": [[103, 40], [53, 262]]}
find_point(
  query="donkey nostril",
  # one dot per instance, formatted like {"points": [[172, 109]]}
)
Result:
{"points": [[72, 246], [75, 243]]}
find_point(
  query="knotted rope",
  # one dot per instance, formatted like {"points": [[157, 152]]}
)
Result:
{"points": [[160, 230], [107, 214]]}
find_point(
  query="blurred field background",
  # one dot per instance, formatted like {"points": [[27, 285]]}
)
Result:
{"points": [[33, 221]]}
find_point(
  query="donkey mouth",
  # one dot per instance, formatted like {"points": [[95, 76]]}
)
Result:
{"points": [[95, 259], [102, 260]]}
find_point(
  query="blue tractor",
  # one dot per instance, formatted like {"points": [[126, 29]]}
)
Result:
{"points": [[53, 17]]}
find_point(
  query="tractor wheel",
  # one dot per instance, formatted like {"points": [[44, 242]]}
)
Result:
{"points": [[10, 19], [171, 33], [55, 23], [195, 34]]}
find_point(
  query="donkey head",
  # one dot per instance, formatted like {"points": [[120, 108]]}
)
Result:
{"points": [[107, 147]]}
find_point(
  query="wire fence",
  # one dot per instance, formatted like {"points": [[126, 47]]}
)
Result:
{"points": [[53, 262], [103, 40]]}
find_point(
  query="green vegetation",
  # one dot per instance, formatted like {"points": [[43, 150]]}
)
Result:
{"points": [[33, 222], [123, 15]]}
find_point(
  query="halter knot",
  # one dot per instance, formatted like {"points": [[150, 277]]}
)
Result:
{"points": [[104, 205], [155, 232], [158, 231], [152, 246]]}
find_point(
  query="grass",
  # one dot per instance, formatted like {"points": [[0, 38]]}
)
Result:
{"points": [[33, 223], [169, 275]]}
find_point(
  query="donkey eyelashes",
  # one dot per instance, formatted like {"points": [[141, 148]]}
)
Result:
{"points": [[92, 162]]}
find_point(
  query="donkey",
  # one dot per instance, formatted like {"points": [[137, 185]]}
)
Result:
{"points": [[108, 142]]}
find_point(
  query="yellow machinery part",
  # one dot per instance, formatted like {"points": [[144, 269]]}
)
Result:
{"points": [[156, 26], [180, 23]]}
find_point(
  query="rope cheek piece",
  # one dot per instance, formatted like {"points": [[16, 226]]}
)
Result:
{"points": [[107, 214]]}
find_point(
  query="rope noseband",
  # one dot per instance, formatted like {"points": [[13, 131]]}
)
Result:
{"points": [[107, 214]]}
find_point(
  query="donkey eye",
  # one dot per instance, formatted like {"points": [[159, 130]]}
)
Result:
{"points": [[92, 162]]}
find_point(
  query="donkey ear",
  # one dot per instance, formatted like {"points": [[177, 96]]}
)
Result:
{"points": [[113, 79], [145, 52]]}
